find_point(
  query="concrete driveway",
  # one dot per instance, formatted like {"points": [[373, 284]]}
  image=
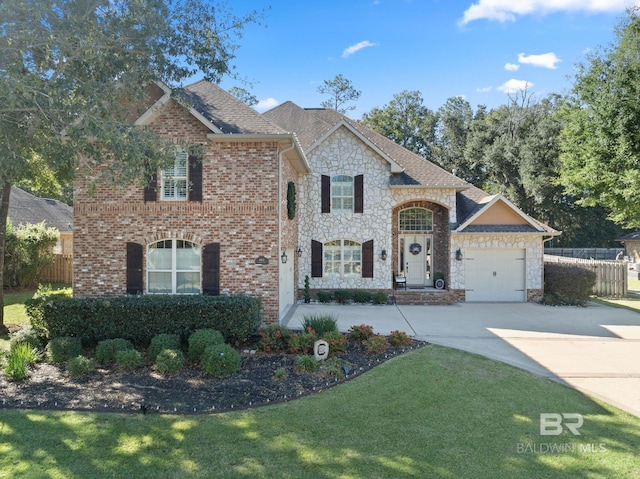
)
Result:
{"points": [[594, 349]]}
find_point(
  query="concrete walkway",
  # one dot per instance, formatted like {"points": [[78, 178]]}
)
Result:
{"points": [[594, 349]]}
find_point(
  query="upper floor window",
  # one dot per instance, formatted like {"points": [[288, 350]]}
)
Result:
{"points": [[342, 193], [342, 258], [173, 267], [173, 180], [416, 219]]}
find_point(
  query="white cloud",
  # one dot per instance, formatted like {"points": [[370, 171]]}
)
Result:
{"points": [[511, 67], [509, 10], [357, 47], [266, 104], [486, 89], [545, 60], [515, 86]]}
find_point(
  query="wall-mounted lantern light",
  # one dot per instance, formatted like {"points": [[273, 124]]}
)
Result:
{"points": [[383, 255], [459, 254], [299, 252], [283, 258]]}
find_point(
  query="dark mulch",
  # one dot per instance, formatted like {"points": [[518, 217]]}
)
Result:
{"points": [[190, 391]]}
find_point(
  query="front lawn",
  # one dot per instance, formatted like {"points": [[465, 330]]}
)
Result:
{"points": [[435, 412]]}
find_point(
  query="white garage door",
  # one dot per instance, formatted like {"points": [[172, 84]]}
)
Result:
{"points": [[495, 275]]}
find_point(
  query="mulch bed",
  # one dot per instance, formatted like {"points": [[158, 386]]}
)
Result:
{"points": [[190, 391]]}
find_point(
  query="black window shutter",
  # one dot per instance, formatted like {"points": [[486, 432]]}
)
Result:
{"points": [[316, 259], [150, 190], [367, 259], [211, 269], [134, 268], [195, 178], [326, 194], [358, 206]]}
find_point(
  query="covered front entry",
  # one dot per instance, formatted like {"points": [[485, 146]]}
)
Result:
{"points": [[415, 259], [495, 275]]}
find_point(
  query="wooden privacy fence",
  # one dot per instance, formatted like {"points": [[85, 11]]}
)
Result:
{"points": [[611, 276], [60, 271]]}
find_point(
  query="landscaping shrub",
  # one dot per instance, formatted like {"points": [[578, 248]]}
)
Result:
{"points": [[107, 349], [333, 367], [320, 323], [161, 342], [343, 296], [568, 284], [376, 344], [274, 338], [220, 360], [200, 339], [360, 333], [63, 348], [325, 296], [27, 336], [35, 308], [279, 374], [399, 338], [360, 296], [379, 298], [169, 361], [128, 359], [79, 366], [302, 343], [19, 359], [306, 364], [140, 318], [336, 342]]}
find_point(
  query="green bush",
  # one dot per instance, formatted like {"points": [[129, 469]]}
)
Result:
{"points": [[320, 323], [302, 343], [333, 367], [568, 284], [140, 318], [169, 361], [202, 338], [336, 342], [360, 333], [107, 349], [19, 359], [306, 364], [376, 344], [128, 359], [79, 366], [35, 308], [163, 341], [274, 338], [379, 298], [399, 338], [63, 348], [343, 296], [26, 336], [220, 360], [325, 296], [360, 296]]}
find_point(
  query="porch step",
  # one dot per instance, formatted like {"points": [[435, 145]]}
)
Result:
{"points": [[423, 296]]}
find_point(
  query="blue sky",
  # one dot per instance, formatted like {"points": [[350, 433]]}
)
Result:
{"points": [[478, 49]]}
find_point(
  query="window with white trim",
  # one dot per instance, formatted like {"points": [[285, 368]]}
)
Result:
{"points": [[173, 267], [342, 258], [416, 219], [173, 180], [342, 193]]}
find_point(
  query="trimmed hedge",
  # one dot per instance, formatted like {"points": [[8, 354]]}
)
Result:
{"points": [[567, 284], [140, 318]]}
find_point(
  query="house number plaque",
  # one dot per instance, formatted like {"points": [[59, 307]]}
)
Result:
{"points": [[262, 260]]}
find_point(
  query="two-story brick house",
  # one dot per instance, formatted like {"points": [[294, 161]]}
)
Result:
{"points": [[367, 210]]}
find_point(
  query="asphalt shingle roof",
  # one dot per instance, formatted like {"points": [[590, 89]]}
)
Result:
{"points": [[25, 208]]}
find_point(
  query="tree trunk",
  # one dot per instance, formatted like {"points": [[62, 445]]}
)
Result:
{"points": [[5, 192]]}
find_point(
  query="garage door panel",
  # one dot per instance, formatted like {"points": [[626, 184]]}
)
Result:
{"points": [[495, 275]]}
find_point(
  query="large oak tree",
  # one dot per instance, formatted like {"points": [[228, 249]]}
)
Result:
{"points": [[70, 71]]}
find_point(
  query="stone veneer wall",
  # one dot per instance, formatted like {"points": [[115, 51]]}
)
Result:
{"points": [[532, 244], [239, 210]]}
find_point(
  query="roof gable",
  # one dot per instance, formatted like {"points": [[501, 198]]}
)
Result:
{"points": [[497, 213]]}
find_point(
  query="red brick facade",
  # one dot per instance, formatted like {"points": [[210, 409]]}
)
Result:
{"points": [[242, 181]]}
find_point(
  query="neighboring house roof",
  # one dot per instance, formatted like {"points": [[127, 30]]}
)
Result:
{"points": [[25, 208], [635, 236]]}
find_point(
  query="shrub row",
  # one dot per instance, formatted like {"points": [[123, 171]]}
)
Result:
{"points": [[140, 318], [567, 284], [344, 296]]}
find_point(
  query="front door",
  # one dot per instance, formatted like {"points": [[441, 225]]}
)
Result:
{"points": [[415, 259]]}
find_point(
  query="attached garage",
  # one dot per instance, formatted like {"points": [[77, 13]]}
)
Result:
{"points": [[495, 275]]}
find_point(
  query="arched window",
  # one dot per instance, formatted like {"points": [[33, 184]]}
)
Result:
{"points": [[342, 258], [173, 267], [342, 193], [416, 219]]}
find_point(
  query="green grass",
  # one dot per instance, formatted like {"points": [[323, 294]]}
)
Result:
{"points": [[435, 412]]}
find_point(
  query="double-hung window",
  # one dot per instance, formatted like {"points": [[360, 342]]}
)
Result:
{"points": [[342, 258], [174, 179], [173, 267], [342, 193]]}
